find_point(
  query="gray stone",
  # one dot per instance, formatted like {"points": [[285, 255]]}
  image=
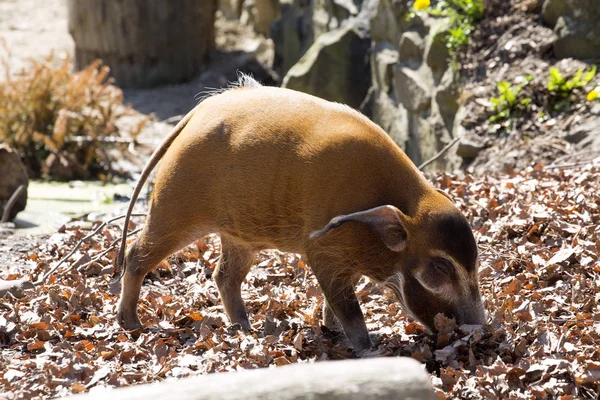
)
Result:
{"points": [[411, 49], [386, 21], [336, 67], [438, 55], [576, 27], [231, 9], [577, 39], [413, 88], [419, 144], [332, 14], [586, 135], [552, 10], [376, 378], [392, 117], [264, 12], [383, 57], [12, 175], [293, 32], [446, 97], [469, 148]]}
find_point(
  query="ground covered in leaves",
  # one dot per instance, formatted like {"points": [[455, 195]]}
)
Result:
{"points": [[539, 238]]}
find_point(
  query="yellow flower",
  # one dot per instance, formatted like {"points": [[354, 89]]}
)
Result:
{"points": [[593, 95], [421, 4]]}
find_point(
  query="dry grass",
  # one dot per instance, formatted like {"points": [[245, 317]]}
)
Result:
{"points": [[62, 122]]}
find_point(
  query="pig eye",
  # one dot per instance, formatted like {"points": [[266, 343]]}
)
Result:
{"points": [[443, 266]]}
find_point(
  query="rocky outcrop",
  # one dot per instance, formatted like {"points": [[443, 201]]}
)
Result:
{"points": [[13, 174], [414, 93], [576, 27], [334, 68]]}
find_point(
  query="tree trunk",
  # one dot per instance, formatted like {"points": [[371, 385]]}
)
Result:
{"points": [[144, 42]]}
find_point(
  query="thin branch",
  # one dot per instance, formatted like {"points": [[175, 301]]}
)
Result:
{"points": [[573, 164], [11, 203], [98, 256], [440, 153], [78, 245]]}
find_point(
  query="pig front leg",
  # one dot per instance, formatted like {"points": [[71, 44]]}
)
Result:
{"points": [[341, 298]]}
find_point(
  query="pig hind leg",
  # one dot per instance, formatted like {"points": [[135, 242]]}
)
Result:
{"points": [[142, 257], [234, 264]]}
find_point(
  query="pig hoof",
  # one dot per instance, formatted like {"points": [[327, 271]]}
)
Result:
{"points": [[128, 323], [376, 338], [238, 326]]}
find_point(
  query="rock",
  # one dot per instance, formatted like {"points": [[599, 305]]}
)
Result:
{"points": [[411, 49], [259, 14], [392, 118], [383, 57], [446, 98], [586, 135], [553, 9], [577, 39], [231, 9], [332, 14], [437, 55], [263, 13], [377, 378], [413, 88], [335, 67], [469, 148], [12, 175], [292, 33], [576, 27], [385, 23]]}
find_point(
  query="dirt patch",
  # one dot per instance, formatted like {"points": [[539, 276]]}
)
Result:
{"points": [[512, 44]]}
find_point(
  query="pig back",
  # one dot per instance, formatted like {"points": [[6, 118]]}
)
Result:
{"points": [[269, 165]]}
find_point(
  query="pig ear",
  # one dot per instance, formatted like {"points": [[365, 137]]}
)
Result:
{"points": [[386, 221]]}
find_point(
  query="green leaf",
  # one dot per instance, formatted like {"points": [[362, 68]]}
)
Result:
{"points": [[555, 75], [589, 75]]}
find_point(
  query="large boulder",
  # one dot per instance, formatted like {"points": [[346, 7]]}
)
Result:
{"points": [[13, 174], [336, 67], [576, 26]]}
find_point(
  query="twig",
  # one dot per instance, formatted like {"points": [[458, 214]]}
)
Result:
{"points": [[440, 153], [11, 203], [65, 258], [112, 246], [573, 164], [573, 155]]}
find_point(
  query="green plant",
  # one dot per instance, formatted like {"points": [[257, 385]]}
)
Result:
{"points": [[508, 100], [463, 15], [561, 87], [60, 121]]}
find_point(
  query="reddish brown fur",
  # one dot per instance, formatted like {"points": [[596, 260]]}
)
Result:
{"points": [[265, 167]]}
